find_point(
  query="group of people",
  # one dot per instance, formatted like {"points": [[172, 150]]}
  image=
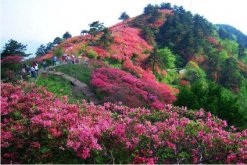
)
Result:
{"points": [[32, 70]]}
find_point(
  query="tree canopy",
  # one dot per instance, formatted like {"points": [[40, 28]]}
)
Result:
{"points": [[124, 16], [67, 35], [95, 28], [13, 48]]}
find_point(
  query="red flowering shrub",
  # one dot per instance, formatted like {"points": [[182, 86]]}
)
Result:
{"points": [[122, 86], [38, 128], [213, 40]]}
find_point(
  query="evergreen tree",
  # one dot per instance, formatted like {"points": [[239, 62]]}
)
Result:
{"points": [[106, 39], [124, 16], [57, 40], [41, 50], [95, 28], [13, 48], [67, 35]]}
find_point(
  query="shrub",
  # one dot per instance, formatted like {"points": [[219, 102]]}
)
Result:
{"points": [[36, 127], [120, 86]]}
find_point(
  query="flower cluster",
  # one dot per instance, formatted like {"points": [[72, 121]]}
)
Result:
{"points": [[120, 86], [36, 127]]}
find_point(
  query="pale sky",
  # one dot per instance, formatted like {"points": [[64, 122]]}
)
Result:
{"points": [[40, 21]]}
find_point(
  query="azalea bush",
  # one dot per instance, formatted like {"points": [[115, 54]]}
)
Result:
{"points": [[120, 86], [36, 127]]}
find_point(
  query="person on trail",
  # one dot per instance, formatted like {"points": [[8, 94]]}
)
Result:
{"points": [[36, 67], [44, 64], [54, 60], [33, 72]]}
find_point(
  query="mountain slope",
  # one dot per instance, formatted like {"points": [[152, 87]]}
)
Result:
{"points": [[173, 47], [233, 33]]}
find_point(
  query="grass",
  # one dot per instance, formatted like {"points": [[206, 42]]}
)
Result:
{"points": [[60, 87], [78, 71]]}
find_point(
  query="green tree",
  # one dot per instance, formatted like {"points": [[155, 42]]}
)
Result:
{"points": [[41, 50], [67, 35], [124, 16], [49, 47], [167, 59], [241, 52], [13, 48], [230, 76], [194, 72], [149, 9], [165, 6], [57, 40], [106, 38], [148, 34], [95, 28]]}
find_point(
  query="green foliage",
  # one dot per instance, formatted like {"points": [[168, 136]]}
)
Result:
{"points": [[95, 28], [172, 78], [13, 48], [78, 71], [148, 34], [59, 52], [58, 40], [149, 9], [124, 16], [213, 98], [184, 33], [230, 46], [194, 72], [67, 35], [106, 39], [234, 34], [167, 58], [41, 50], [230, 76], [165, 6], [92, 54], [59, 87]]}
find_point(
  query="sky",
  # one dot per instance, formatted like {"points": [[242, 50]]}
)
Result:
{"points": [[35, 22]]}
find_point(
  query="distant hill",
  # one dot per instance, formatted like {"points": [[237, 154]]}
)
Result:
{"points": [[228, 31]]}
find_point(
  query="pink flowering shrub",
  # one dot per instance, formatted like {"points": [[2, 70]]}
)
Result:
{"points": [[36, 127], [120, 86]]}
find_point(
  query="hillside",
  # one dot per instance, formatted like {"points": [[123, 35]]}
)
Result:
{"points": [[227, 31], [170, 90], [174, 47]]}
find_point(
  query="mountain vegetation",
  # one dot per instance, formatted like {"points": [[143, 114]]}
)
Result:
{"points": [[172, 88]]}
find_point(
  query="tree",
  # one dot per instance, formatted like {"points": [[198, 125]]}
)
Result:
{"points": [[165, 6], [148, 34], [57, 40], [49, 46], [167, 58], [95, 28], [241, 52], [41, 50], [149, 9], [230, 76], [106, 39], [124, 16], [13, 48], [67, 35]]}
